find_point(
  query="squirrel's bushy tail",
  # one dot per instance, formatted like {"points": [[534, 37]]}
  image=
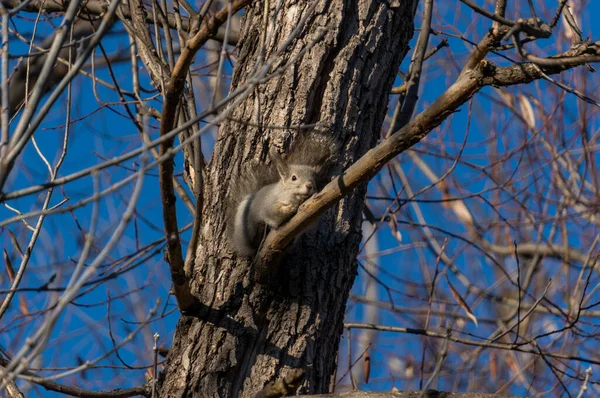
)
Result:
{"points": [[241, 191]]}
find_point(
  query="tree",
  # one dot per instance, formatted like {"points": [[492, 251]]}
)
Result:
{"points": [[328, 66]]}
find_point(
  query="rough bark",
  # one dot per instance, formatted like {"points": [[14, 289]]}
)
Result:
{"points": [[407, 394], [250, 334]]}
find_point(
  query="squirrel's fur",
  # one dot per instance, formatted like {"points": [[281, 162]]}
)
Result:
{"points": [[269, 195]]}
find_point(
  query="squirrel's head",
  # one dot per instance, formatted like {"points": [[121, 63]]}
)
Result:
{"points": [[302, 168], [299, 178]]}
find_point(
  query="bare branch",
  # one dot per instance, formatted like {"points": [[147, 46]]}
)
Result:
{"points": [[501, 346], [406, 105], [468, 83], [27, 125], [49, 385], [98, 8]]}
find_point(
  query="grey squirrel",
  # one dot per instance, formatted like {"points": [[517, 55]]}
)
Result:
{"points": [[270, 195]]}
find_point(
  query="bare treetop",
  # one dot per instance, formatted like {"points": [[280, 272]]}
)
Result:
{"points": [[452, 245]]}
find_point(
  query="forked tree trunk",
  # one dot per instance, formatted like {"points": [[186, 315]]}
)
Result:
{"points": [[256, 333]]}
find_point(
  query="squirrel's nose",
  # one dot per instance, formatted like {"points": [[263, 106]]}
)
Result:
{"points": [[309, 186]]}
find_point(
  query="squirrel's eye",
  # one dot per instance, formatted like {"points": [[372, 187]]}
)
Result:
{"points": [[294, 178]]}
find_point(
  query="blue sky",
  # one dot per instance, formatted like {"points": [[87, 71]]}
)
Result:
{"points": [[102, 131]]}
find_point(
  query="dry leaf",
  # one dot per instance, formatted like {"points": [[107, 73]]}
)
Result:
{"points": [[9, 268], [506, 97], [462, 213], [367, 368], [149, 375], [527, 111], [394, 228], [446, 197], [462, 302], [567, 31], [14, 241], [511, 364], [409, 372], [23, 305]]}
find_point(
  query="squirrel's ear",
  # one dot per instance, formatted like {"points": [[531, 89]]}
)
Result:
{"points": [[279, 164], [316, 169]]}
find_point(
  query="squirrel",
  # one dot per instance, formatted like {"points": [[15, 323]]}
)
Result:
{"points": [[266, 197]]}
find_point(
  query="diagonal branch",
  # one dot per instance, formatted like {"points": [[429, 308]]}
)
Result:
{"points": [[469, 82]]}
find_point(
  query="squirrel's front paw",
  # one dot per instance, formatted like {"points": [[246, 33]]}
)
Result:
{"points": [[301, 198], [288, 209]]}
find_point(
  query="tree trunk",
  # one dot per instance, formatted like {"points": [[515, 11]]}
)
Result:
{"points": [[256, 333]]}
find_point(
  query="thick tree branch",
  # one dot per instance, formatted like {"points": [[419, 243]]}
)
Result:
{"points": [[173, 91], [407, 394], [500, 10], [368, 165], [558, 61], [468, 83], [528, 72]]}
